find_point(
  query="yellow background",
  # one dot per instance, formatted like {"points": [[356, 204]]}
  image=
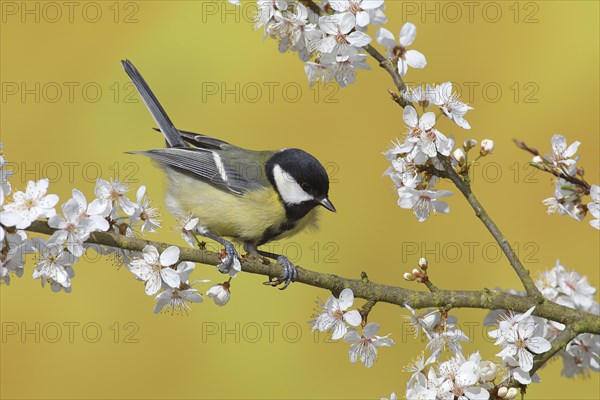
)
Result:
{"points": [[184, 47]]}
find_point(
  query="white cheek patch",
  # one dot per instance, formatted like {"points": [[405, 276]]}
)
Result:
{"points": [[288, 188]]}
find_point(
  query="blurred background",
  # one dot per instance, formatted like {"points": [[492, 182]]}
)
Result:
{"points": [[68, 112]]}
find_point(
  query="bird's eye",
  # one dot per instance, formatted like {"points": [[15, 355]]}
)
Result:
{"points": [[306, 187]]}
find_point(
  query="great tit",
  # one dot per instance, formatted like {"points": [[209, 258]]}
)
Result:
{"points": [[250, 196]]}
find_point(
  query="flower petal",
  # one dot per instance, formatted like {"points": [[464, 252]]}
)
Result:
{"points": [[408, 33], [170, 256], [370, 330], [385, 38], [170, 277], [415, 59], [353, 318], [346, 299]]}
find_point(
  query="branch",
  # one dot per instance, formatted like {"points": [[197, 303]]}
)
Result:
{"points": [[581, 321], [465, 188], [391, 69], [572, 179], [384, 62], [560, 343]]}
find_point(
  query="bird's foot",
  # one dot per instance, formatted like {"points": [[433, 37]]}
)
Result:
{"points": [[230, 260], [290, 274]]}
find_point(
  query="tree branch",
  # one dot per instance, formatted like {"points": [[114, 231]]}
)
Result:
{"points": [[390, 68], [384, 62], [560, 343], [585, 187], [465, 188], [581, 321]]}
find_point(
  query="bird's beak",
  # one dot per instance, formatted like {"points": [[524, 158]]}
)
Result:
{"points": [[327, 204]]}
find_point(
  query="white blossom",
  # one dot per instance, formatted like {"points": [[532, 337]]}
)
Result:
{"points": [[425, 322], [422, 202], [73, 228], [266, 11], [145, 212], [365, 347], [53, 265], [487, 146], [524, 341], [447, 339], [561, 153], [343, 67], [111, 196], [594, 206], [360, 9], [13, 257], [335, 315], [581, 355], [422, 133], [340, 39], [450, 104], [176, 300], [461, 380], [317, 72], [154, 269], [220, 293], [5, 174], [187, 225], [30, 205], [406, 58]]}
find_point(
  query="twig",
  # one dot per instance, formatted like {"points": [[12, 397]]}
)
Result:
{"points": [[572, 179], [491, 300], [390, 68], [384, 62], [560, 343], [432, 288]]}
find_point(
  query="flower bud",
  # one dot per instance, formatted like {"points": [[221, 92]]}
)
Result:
{"points": [[502, 391], [219, 293], [416, 273], [487, 146], [487, 371], [423, 263], [468, 144], [409, 277], [512, 393], [459, 155], [537, 160]]}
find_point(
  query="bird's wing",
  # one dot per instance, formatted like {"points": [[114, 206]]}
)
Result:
{"points": [[224, 169]]}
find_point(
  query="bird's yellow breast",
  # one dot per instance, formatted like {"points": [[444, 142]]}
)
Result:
{"points": [[243, 217]]}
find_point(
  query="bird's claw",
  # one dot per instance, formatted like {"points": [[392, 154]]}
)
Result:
{"points": [[290, 274], [230, 260]]}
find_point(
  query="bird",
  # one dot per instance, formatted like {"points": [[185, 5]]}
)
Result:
{"points": [[251, 197]]}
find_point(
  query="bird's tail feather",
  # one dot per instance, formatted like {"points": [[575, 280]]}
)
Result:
{"points": [[159, 114]]}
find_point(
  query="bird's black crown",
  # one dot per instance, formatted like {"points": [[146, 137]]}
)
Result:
{"points": [[304, 168]]}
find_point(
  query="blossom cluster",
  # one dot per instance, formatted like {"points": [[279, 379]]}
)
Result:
{"points": [[330, 37], [335, 317], [415, 163], [570, 187], [163, 274], [567, 288], [520, 337], [457, 376], [570, 289]]}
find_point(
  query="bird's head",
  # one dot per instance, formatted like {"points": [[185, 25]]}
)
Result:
{"points": [[300, 180]]}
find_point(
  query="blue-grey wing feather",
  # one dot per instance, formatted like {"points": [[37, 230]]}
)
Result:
{"points": [[231, 174]]}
